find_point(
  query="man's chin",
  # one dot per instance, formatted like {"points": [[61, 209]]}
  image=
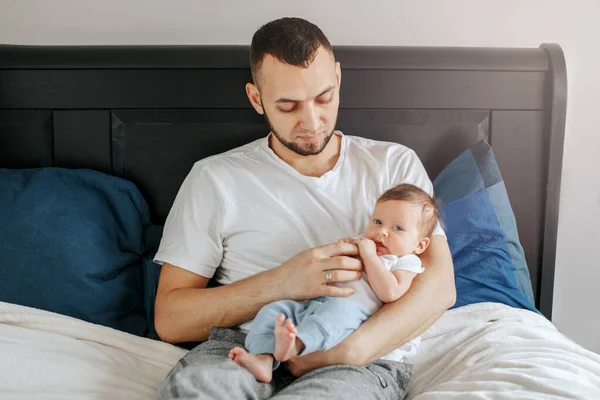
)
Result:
{"points": [[312, 149], [309, 147], [305, 149]]}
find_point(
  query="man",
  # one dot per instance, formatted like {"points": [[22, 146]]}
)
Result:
{"points": [[241, 215]]}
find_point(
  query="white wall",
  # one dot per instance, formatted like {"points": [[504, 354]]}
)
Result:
{"points": [[507, 23]]}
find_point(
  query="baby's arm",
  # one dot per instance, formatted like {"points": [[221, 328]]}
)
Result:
{"points": [[388, 286]]}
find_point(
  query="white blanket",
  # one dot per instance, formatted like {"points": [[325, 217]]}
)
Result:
{"points": [[50, 356], [519, 355], [491, 351]]}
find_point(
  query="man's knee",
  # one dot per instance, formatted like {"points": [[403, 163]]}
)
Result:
{"points": [[382, 379], [193, 378]]}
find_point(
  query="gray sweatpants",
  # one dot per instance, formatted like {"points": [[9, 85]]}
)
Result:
{"points": [[206, 372]]}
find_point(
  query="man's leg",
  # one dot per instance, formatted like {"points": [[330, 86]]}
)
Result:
{"points": [[206, 372], [380, 380], [334, 320]]}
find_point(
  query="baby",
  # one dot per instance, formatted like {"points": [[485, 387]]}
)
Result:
{"points": [[402, 222]]}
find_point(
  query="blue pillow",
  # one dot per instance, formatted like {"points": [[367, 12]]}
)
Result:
{"points": [[71, 242], [489, 262]]}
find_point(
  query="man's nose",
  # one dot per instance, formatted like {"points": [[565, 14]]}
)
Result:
{"points": [[310, 118]]}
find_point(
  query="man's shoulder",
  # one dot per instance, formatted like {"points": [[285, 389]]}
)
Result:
{"points": [[239, 157], [379, 148]]}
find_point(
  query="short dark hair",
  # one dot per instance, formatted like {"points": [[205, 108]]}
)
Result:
{"points": [[431, 212], [291, 40]]}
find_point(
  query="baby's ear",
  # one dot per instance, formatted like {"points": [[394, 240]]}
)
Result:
{"points": [[422, 245]]}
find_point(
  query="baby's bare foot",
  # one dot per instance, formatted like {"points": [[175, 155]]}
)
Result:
{"points": [[285, 339], [261, 366]]}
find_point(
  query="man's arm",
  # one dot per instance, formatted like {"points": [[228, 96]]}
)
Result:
{"points": [[430, 295], [185, 309]]}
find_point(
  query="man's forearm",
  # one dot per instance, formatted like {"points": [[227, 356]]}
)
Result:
{"points": [[430, 295], [187, 314]]}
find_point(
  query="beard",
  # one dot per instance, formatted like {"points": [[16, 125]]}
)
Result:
{"points": [[309, 149]]}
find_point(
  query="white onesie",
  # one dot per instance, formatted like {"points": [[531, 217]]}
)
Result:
{"points": [[365, 296]]}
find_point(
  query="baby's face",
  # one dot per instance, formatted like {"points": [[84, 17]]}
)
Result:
{"points": [[395, 227]]}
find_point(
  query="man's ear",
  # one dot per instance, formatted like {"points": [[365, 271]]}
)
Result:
{"points": [[338, 73], [422, 245], [254, 96]]}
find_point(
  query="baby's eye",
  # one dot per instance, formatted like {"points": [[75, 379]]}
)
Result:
{"points": [[376, 221], [398, 228]]}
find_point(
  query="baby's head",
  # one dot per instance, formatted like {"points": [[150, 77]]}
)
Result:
{"points": [[403, 220]]}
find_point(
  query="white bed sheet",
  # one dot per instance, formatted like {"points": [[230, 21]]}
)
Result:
{"points": [[463, 355]]}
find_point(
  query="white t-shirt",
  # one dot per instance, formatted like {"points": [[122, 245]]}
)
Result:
{"points": [[364, 294], [246, 211]]}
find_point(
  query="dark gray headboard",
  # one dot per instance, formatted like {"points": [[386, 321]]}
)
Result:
{"points": [[147, 113]]}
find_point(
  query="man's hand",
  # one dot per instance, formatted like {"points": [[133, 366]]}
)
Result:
{"points": [[304, 276], [338, 355], [299, 366], [179, 319]]}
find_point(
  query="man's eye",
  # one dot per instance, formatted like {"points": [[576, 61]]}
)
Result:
{"points": [[287, 110], [326, 100]]}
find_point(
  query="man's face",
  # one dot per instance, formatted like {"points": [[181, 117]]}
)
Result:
{"points": [[300, 104]]}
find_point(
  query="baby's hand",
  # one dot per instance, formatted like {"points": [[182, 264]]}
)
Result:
{"points": [[366, 247]]}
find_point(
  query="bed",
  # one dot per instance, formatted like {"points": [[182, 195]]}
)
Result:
{"points": [[96, 140]]}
